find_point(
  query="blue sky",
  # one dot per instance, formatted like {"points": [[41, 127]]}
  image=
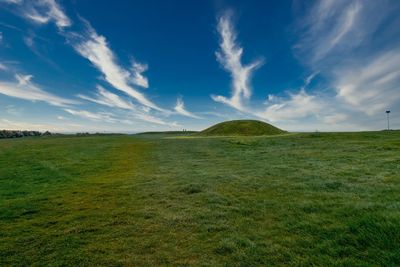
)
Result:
{"points": [[129, 66]]}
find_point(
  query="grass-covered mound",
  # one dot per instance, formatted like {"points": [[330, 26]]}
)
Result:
{"points": [[241, 127]]}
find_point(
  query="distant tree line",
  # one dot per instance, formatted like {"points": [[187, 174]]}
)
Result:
{"points": [[17, 133]]}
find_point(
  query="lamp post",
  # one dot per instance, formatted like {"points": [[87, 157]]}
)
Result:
{"points": [[387, 115]]}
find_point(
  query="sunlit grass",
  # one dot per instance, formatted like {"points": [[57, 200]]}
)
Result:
{"points": [[304, 199]]}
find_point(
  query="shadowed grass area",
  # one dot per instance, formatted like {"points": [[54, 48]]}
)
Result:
{"points": [[322, 199]]}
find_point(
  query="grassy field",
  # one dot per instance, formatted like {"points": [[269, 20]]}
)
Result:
{"points": [[317, 199]]}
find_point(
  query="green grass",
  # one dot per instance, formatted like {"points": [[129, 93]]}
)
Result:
{"points": [[318, 199], [241, 128]]}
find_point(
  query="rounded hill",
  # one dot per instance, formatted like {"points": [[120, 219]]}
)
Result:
{"points": [[241, 128]]}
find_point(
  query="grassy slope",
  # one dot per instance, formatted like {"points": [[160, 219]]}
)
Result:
{"points": [[241, 128], [321, 199]]}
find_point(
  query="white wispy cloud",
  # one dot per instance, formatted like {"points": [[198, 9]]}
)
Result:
{"points": [[333, 31], [230, 57], [328, 27], [29, 42], [126, 118], [24, 125], [137, 74], [152, 119], [353, 45], [335, 118], [43, 12], [13, 110], [370, 85], [32, 40], [95, 48], [3, 67], [12, 1], [213, 114], [105, 97], [180, 109], [25, 89], [296, 106], [105, 117]]}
